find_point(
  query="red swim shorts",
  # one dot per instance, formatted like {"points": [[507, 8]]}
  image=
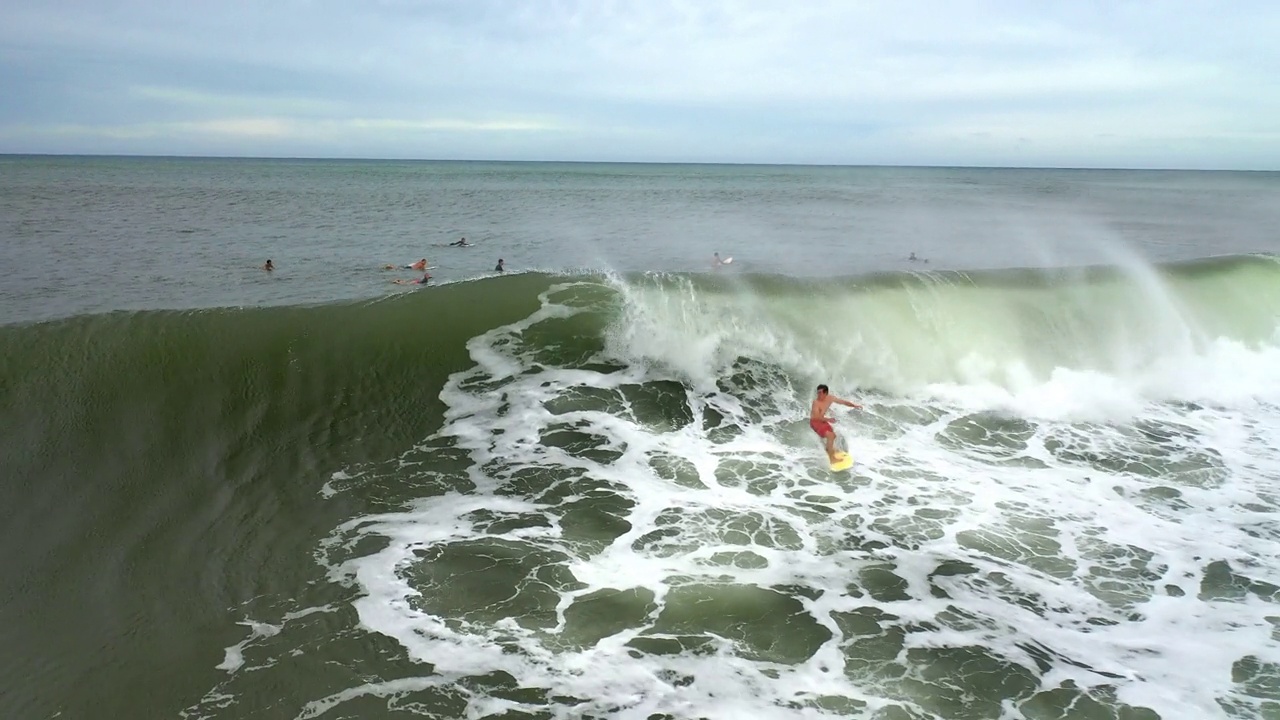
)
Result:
{"points": [[822, 427]]}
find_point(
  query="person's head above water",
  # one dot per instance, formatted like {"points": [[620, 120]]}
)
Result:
{"points": [[822, 390]]}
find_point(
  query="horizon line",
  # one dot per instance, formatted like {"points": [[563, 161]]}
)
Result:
{"points": [[336, 158]]}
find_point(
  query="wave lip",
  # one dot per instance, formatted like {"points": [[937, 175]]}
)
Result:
{"points": [[1196, 332]]}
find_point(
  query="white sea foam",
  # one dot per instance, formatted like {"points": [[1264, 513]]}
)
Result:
{"points": [[340, 477], [234, 657], [1106, 526]]}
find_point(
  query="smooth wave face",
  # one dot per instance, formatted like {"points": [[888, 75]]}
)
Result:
{"points": [[1062, 505], [161, 468]]}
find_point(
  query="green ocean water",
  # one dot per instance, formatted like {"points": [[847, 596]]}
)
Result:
{"points": [[591, 491]]}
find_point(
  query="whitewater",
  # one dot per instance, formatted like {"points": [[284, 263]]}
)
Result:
{"points": [[1062, 505]]}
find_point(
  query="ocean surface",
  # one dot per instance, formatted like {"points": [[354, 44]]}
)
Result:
{"points": [[586, 487]]}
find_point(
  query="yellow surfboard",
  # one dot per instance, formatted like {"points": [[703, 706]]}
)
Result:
{"points": [[844, 461]]}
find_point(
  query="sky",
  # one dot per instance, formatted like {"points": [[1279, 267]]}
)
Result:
{"points": [[1043, 83]]}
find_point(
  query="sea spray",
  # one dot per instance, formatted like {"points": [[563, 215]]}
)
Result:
{"points": [[902, 333]]}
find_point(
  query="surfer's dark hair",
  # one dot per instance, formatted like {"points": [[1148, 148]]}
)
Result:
{"points": [[823, 388]]}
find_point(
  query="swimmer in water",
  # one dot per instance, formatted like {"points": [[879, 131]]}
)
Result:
{"points": [[461, 243], [498, 267], [268, 266]]}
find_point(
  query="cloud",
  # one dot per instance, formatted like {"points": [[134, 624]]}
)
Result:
{"points": [[974, 81], [228, 103], [229, 127], [286, 128]]}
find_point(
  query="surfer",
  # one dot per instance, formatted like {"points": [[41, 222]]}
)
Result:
{"points": [[268, 267], [498, 267], [420, 266], [461, 243], [425, 277], [819, 421], [715, 260]]}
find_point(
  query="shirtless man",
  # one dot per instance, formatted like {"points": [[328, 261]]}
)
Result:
{"points": [[819, 421], [421, 265]]}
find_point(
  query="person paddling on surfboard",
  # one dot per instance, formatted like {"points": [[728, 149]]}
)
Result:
{"points": [[420, 265], [819, 421], [426, 277]]}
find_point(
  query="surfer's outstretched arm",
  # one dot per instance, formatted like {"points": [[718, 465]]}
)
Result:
{"points": [[848, 403]]}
